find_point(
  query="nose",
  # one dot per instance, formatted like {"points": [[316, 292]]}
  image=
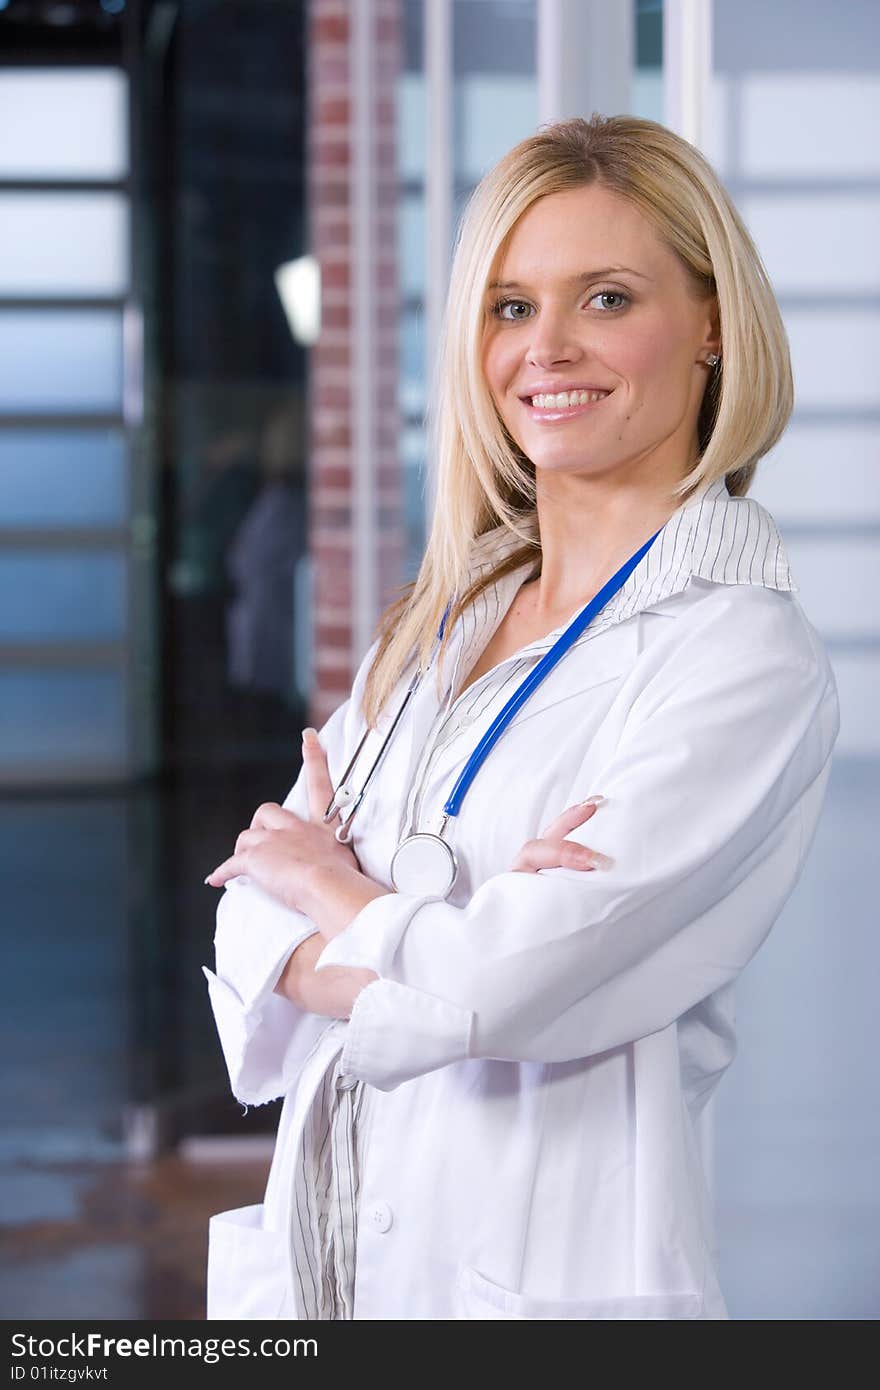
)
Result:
{"points": [[552, 340]]}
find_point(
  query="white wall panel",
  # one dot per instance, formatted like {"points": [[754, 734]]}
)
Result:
{"points": [[838, 582], [60, 360], [815, 125], [822, 475], [835, 357], [64, 244], [63, 478], [836, 247], [63, 123], [858, 684]]}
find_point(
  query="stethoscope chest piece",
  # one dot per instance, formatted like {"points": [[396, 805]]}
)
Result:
{"points": [[424, 864]]}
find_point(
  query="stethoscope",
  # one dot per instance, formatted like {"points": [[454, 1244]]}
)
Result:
{"points": [[424, 863]]}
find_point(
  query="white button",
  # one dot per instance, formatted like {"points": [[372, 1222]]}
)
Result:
{"points": [[380, 1216]]}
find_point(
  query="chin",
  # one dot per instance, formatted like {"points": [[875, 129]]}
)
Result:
{"points": [[565, 457]]}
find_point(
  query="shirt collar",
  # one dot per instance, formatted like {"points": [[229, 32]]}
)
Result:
{"points": [[712, 536]]}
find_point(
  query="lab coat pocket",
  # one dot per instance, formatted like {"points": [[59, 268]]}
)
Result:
{"points": [[478, 1297], [247, 1267]]}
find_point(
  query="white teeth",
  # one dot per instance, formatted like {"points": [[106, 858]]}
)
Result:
{"points": [[563, 399]]}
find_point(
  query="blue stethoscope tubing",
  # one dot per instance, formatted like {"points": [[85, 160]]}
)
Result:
{"points": [[426, 863]]}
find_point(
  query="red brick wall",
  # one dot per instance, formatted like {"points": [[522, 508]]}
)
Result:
{"points": [[331, 461]]}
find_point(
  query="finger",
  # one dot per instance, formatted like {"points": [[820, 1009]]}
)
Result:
{"points": [[572, 816], [271, 816], [558, 854], [230, 868], [318, 785], [555, 854], [249, 839]]}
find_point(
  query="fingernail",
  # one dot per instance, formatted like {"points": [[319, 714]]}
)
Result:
{"points": [[312, 732], [207, 880], [593, 801], [601, 860]]}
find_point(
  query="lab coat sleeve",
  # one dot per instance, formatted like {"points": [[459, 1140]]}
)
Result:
{"points": [[712, 797], [265, 1038]]}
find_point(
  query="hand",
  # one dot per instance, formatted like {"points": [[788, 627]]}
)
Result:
{"points": [[280, 847], [553, 851]]}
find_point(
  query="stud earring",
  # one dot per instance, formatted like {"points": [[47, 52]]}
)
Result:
{"points": [[713, 359]]}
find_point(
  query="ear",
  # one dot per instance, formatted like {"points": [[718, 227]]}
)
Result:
{"points": [[712, 339]]}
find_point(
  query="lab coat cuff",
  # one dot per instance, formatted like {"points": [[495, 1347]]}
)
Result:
{"points": [[396, 1033], [236, 1028], [371, 939], [264, 1052], [254, 939]]}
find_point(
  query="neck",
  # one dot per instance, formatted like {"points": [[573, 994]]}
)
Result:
{"points": [[589, 528]]}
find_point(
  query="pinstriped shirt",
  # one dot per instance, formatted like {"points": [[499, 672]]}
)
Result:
{"points": [[325, 1198], [714, 537]]}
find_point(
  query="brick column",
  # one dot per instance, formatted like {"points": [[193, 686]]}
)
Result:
{"points": [[331, 462]]}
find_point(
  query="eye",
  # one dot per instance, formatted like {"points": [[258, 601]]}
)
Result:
{"points": [[611, 294], [502, 304], [500, 307]]}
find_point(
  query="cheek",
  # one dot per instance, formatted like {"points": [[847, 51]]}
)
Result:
{"points": [[652, 357], [498, 367]]}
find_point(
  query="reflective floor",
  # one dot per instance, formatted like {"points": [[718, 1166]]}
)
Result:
{"points": [[114, 1240]]}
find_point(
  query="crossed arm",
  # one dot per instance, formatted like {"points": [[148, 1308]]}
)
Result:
{"points": [[336, 891]]}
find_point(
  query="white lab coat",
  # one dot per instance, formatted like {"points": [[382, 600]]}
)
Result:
{"points": [[541, 1046]]}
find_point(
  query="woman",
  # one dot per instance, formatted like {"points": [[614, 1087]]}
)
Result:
{"points": [[502, 1118]]}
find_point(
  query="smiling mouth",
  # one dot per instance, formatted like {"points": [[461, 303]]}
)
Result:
{"points": [[566, 405], [562, 400]]}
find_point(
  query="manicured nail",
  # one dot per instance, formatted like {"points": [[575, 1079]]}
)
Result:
{"points": [[208, 879], [593, 801], [601, 860], [313, 733]]}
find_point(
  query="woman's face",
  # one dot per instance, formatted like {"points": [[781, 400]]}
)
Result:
{"points": [[590, 298]]}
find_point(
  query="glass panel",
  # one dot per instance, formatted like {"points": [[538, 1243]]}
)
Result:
{"points": [[412, 366], [493, 112], [63, 478], [647, 84], [70, 717], [495, 82], [411, 234], [43, 114], [62, 596], [63, 243], [60, 360], [411, 125]]}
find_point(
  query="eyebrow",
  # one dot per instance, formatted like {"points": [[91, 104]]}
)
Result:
{"points": [[570, 280]]}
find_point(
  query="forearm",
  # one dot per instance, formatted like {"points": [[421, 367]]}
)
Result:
{"points": [[333, 894], [332, 992]]}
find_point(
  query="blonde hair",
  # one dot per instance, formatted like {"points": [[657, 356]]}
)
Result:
{"points": [[483, 480]]}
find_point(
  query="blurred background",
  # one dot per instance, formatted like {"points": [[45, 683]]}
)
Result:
{"points": [[225, 232]]}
